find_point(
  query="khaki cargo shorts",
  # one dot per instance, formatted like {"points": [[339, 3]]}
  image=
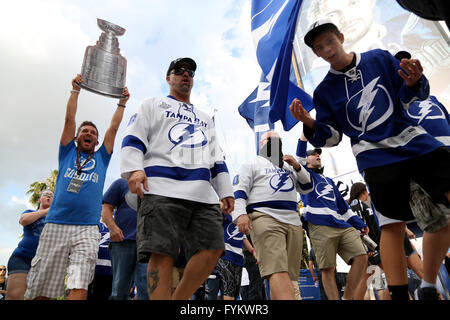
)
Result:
{"points": [[328, 241], [278, 245]]}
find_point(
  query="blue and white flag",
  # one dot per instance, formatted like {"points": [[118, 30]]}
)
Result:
{"points": [[273, 27], [255, 109], [269, 24]]}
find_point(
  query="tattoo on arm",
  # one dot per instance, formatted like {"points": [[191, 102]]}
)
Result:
{"points": [[152, 281]]}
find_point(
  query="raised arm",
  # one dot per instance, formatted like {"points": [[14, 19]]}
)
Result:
{"points": [[68, 133], [30, 217], [110, 134]]}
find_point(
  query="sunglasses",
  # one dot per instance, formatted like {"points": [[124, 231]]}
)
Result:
{"points": [[180, 71], [1, 269]]}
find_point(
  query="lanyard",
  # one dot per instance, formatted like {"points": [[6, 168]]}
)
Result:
{"points": [[79, 165]]}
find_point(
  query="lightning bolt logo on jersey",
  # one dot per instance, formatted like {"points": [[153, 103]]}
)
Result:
{"points": [[188, 132], [261, 186], [431, 115], [426, 109], [232, 232], [234, 241], [281, 182], [370, 107], [187, 135], [325, 190], [175, 143]]}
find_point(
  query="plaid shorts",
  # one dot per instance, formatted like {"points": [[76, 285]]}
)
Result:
{"points": [[63, 248]]}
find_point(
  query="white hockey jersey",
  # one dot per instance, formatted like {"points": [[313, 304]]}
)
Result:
{"points": [[264, 187], [175, 144]]}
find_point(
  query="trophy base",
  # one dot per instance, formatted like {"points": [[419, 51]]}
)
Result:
{"points": [[103, 90]]}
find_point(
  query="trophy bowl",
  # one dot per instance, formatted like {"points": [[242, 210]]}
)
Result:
{"points": [[104, 68]]}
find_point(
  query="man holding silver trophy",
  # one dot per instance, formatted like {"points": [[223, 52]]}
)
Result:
{"points": [[70, 238]]}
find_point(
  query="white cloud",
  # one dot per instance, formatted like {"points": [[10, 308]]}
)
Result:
{"points": [[16, 200]]}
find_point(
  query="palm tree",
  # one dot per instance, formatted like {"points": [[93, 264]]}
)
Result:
{"points": [[37, 187]]}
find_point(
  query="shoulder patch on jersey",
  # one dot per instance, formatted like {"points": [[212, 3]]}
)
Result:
{"points": [[132, 119], [236, 180]]}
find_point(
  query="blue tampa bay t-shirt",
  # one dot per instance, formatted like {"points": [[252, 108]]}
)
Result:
{"points": [[31, 233], [84, 207]]}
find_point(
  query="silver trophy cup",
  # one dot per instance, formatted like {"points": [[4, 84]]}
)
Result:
{"points": [[104, 69]]}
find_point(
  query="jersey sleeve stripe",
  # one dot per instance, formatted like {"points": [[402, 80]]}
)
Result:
{"points": [[135, 142]]}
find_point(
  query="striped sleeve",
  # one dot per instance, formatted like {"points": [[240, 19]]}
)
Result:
{"points": [[242, 184], [220, 177], [135, 143]]}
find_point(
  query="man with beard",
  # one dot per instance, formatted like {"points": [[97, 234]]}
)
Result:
{"points": [[71, 236], [175, 169]]}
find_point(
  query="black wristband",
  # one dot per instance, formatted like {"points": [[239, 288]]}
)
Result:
{"points": [[121, 105]]}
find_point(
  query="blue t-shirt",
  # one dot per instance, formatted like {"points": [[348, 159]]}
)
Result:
{"points": [[31, 233], [83, 208], [124, 216]]}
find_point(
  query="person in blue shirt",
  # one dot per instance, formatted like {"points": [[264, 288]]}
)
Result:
{"points": [[227, 274], [20, 261], [121, 221], [364, 96], [70, 238], [333, 227]]}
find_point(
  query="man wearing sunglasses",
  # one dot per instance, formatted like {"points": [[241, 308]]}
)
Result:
{"points": [[174, 165], [180, 77]]}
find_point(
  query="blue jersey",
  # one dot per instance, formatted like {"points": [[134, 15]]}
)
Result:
{"points": [[234, 241], [325, 205], [83, 208], [124, 216], [31, 233], [433, 117], [103, 265], [367, 104]]}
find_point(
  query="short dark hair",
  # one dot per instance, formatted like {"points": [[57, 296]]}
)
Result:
{"points": [[87, 123]]}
